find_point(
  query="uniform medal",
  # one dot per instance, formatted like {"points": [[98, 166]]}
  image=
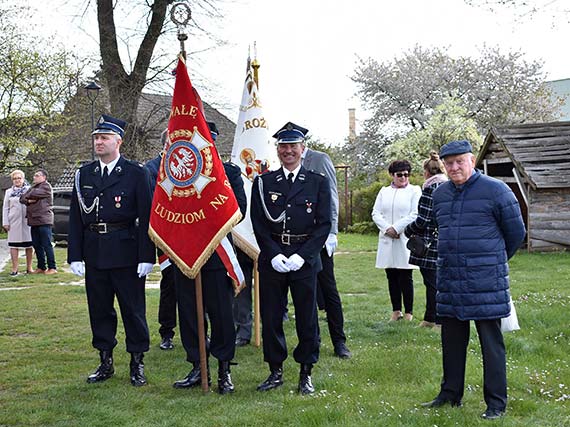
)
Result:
{"points": [[309, 209], [117, 202], [274, 197]]}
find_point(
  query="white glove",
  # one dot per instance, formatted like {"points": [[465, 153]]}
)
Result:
{"points": [[331, 244], [295, 262], [144, 268], [77, 268], [279, 263]]}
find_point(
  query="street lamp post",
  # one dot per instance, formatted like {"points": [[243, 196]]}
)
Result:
{"points": [[92, 90]]}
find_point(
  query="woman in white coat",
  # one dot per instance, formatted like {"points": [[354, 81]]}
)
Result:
{"points": [[15, 223], [395, 207]]}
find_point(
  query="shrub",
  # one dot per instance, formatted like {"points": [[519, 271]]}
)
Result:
{"points": [[364, 227]]}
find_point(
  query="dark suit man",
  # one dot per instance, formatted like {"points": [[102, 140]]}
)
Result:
{"points": [[291, 218], [218, 298], [326, 283], [108, 230]]}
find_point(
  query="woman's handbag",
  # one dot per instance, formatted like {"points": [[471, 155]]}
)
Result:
{"points": [[418, 246], [510, 323]]}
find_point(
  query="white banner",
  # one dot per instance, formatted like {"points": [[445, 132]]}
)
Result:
{"points": [[253, 152]]}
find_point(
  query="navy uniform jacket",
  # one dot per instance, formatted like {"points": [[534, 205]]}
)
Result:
{"points": [[234, 177], [124, 198], [307, 207]]}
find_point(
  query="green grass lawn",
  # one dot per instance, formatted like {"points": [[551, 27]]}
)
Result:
{"points": [[46, 354]]}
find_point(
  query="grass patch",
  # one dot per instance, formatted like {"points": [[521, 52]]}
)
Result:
{"points": [[46, 354]]}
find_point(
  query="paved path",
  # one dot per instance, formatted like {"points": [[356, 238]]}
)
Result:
{"points": [[5, 258], [4, 253]]}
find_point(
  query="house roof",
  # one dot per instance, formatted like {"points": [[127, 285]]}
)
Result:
{"points": [[539, 151], [561, 89], [154, 110]]}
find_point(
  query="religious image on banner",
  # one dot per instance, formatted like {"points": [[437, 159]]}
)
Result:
{"points": [[194, 207], [252, 151]]}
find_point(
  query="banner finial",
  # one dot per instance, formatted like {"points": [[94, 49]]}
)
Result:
{"points": [[181, 14]]}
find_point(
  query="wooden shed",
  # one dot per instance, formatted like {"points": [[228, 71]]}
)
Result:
{"points": [[534, 160]]}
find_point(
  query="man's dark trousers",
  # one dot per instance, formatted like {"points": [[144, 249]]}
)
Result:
{"points": [[167, 304], [332, 304], [454, 341], [217, 291], [101, 287], [273, 288], [243, 317]]}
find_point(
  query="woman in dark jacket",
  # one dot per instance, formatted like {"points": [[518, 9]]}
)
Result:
{"points": [[425, 227]]}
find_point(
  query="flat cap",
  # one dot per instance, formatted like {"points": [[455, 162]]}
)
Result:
{"points": [[455, 148]]}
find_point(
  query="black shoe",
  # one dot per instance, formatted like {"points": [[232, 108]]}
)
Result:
{"points": [[340, 350], [274, 380], [193, 379], [166, 344], [225, 384], [305, 384], [241, 342], [105, 370], [492, 414], [438, 402], [137, 370]]}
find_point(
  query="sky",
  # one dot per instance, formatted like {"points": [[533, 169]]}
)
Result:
{"points": [[308, 49]]}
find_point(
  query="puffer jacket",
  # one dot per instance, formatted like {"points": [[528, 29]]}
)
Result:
{"points": [[480, 228]]}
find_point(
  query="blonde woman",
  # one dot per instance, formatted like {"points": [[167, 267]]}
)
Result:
{"points": [[14, 221]]}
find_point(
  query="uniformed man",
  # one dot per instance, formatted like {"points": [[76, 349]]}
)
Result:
{"points": [[108, 230], [291, 217], [218, 298]]}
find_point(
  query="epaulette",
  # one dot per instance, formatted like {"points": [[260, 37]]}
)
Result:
{"points": [[91, 163], [268, 173], [134, 163], [231, 164], [317, 173]]}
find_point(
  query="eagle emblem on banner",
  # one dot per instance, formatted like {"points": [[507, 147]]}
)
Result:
{"points": [[187, 164]]}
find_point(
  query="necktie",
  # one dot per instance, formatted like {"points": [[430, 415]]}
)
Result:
{"points": [[105, 173], [290, 179]]}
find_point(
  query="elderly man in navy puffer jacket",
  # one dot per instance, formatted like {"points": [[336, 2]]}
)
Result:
{"points": [[480, 228]]}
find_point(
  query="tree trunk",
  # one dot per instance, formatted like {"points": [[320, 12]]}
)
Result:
{"points": [[125, 88]]}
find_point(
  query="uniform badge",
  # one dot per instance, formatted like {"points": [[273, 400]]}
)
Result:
{"points": [[187, 164], [117, 202], [309, 208], [274, 197]]}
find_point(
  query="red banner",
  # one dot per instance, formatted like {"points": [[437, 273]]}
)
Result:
{"points": [[194, 207]]}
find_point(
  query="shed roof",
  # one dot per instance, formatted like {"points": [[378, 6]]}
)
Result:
{"points": [[539, 151]]}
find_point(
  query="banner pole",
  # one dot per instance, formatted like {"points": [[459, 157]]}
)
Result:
{"points": [[257, 306], [201, 333]]}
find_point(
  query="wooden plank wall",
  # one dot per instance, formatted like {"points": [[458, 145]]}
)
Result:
{"points": [[549, 219]]}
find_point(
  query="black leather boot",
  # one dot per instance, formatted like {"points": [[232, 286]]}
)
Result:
{"points": [[225, 384], [105, 370], [274, 380], [193, 379], [137, 370], [305, 383]]}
